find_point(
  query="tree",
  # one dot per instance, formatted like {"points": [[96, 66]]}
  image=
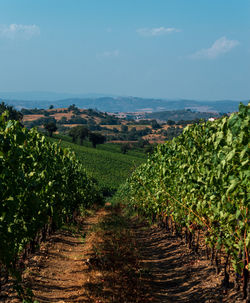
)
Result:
{"points": [[155, 124], [50, 127], [96, 138], [124, 148], [82, 133], [170, 122], [12, 113], [141, 143], [51, 107], [44, 120], [25, 111], [109, 120], [124, 128], [133, 130], [63, 120], [72, 107], [77, 120], [73, 134]]}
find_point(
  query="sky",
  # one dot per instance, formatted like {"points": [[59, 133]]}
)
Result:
{"points": [[191, 49]]}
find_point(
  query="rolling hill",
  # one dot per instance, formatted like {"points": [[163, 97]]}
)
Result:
{"points": [[115, 104]]}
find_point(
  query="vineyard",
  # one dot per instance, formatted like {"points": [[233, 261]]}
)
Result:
{"points": [[105, 163], [198, 185], [42, 186], [195, 186]]}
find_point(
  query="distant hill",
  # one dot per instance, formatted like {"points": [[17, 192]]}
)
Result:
{"points": [[45, 96], [122, 104]]}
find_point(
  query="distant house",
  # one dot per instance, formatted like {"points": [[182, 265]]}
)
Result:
{"points": [[212, 119]]}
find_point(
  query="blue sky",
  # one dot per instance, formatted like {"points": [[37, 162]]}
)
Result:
{"points": [[197, 49]]}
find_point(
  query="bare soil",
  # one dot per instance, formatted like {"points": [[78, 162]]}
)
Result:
{"points": [[113, 258], [176, 273]]}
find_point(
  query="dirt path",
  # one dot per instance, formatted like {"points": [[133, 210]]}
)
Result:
{"points": [[115, 259], [58, 272], [62, 270]]}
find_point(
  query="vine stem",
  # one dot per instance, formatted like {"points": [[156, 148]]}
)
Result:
{"points": [[202, 219]]}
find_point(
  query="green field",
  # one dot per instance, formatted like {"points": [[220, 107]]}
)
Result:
{"points": [[105, 163]]}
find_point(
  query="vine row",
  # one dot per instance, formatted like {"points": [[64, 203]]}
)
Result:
{"points": [[200, 181], [41, 187]]}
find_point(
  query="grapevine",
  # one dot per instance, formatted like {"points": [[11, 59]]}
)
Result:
{"points": [[42, 186], [201, 179]]}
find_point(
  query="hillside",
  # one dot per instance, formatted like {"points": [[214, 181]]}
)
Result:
{"points": [[105, 163], [133, 128], [117, 104]]}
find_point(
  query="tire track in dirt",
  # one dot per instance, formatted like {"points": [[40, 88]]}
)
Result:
{"points": [[63, 270], [58, 271], [143, 264], [175, 273]]}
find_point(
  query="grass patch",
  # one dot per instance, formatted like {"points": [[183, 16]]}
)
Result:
{"points": [[105, 163]]}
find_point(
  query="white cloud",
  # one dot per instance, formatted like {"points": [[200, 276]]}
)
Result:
{"points": [[158, 31], [219, 47], [14, 31], [108, 54]]}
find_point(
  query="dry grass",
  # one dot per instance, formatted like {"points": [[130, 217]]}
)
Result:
{"points": [[32, 117]]}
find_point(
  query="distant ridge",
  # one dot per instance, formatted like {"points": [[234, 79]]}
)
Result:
{"points": [[46, 96], [118, 104]]}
